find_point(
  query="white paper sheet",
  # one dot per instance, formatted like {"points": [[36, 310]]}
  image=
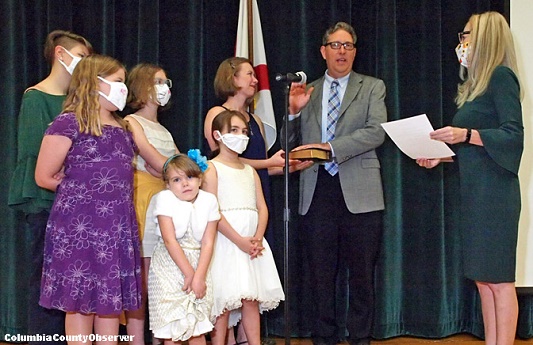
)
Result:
{"points": [[411, 135]]}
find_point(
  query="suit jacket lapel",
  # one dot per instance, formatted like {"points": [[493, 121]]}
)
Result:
{"points": [[353, 87], [316, 101]]}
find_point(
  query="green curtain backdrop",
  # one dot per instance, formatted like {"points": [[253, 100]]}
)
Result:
{"points": [[408, 43]]}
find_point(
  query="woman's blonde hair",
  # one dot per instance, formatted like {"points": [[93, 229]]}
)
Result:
{"points": [[491, 45], [82, 97], [141, 83]]}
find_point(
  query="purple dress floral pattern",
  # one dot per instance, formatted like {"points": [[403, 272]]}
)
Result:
{"points": [[92, 258]]}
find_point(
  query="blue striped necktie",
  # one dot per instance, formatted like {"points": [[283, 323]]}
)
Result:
{"points": [[334, 105]]}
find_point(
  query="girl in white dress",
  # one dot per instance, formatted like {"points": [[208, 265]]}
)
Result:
{"points": [[179, 285], [245, 278]]}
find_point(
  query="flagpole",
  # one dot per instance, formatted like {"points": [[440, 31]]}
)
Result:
{"points": [[250, 31], [260, 56], [286, 211], [250, 14]]}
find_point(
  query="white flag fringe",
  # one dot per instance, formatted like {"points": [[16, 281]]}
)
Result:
{"points": [[263, 98]]}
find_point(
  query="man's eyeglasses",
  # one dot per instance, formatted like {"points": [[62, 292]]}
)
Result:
{"points": [[338, 45], [163, 81], [461, 35]]}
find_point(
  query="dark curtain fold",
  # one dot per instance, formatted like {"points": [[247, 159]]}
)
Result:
{"points": [[408, 43]]}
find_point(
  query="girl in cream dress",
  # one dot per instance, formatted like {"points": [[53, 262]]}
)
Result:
{"points": [[179, 285]]}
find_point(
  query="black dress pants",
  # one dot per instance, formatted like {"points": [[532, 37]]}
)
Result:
{"points": [[337, 239]]}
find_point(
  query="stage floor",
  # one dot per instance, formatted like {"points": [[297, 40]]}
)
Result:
{"points": [[461, 339]]}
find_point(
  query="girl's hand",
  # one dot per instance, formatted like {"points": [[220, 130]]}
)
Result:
{"points": [[199, 287], [257, 251], [60, 174], [258, 242], [246, 245], [187, 283], [428, 163]]}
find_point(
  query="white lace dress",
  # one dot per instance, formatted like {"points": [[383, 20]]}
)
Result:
{"points": [[174, 314], [235, 276]]}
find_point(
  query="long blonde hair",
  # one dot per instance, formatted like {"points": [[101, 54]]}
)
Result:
{"points": [[82, 97], [491, 45]]}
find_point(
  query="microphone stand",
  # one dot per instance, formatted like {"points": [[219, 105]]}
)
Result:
{"points": [[286, 218]]}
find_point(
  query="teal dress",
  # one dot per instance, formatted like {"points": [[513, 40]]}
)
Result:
{"points": [[490, 190], [37, 112]]}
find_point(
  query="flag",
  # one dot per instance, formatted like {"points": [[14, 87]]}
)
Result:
{"points": [[263, 99]]}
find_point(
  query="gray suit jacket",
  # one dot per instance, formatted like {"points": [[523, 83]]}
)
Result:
{"points": [[358, 133]]}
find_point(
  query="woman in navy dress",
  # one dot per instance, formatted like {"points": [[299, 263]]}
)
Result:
{"points": [[236, 84]]}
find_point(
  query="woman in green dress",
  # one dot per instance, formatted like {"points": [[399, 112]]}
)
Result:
{"points": [[488, 131]]}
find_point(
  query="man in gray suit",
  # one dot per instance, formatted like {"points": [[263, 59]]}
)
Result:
{"points": [[341, 202]]}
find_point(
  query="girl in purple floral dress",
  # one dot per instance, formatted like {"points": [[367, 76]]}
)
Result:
{"points": [[91, 260]]}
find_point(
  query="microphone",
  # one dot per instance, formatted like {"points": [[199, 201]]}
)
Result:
{"points": [[298, 77]]}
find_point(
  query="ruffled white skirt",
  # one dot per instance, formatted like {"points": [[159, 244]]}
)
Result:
{"points": [[236, 277]]}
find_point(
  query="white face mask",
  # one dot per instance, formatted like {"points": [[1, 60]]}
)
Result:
{"points": [[118, 93], [73, 63], [462, 51], [234, 142], [163, 94]]}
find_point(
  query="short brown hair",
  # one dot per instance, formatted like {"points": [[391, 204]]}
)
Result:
{"points": [[181, 162], [222, 121], [66, 39], [339, 26], [224, 85]]}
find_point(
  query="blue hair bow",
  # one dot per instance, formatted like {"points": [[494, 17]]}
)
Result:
{"points": [[197, 157]]}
